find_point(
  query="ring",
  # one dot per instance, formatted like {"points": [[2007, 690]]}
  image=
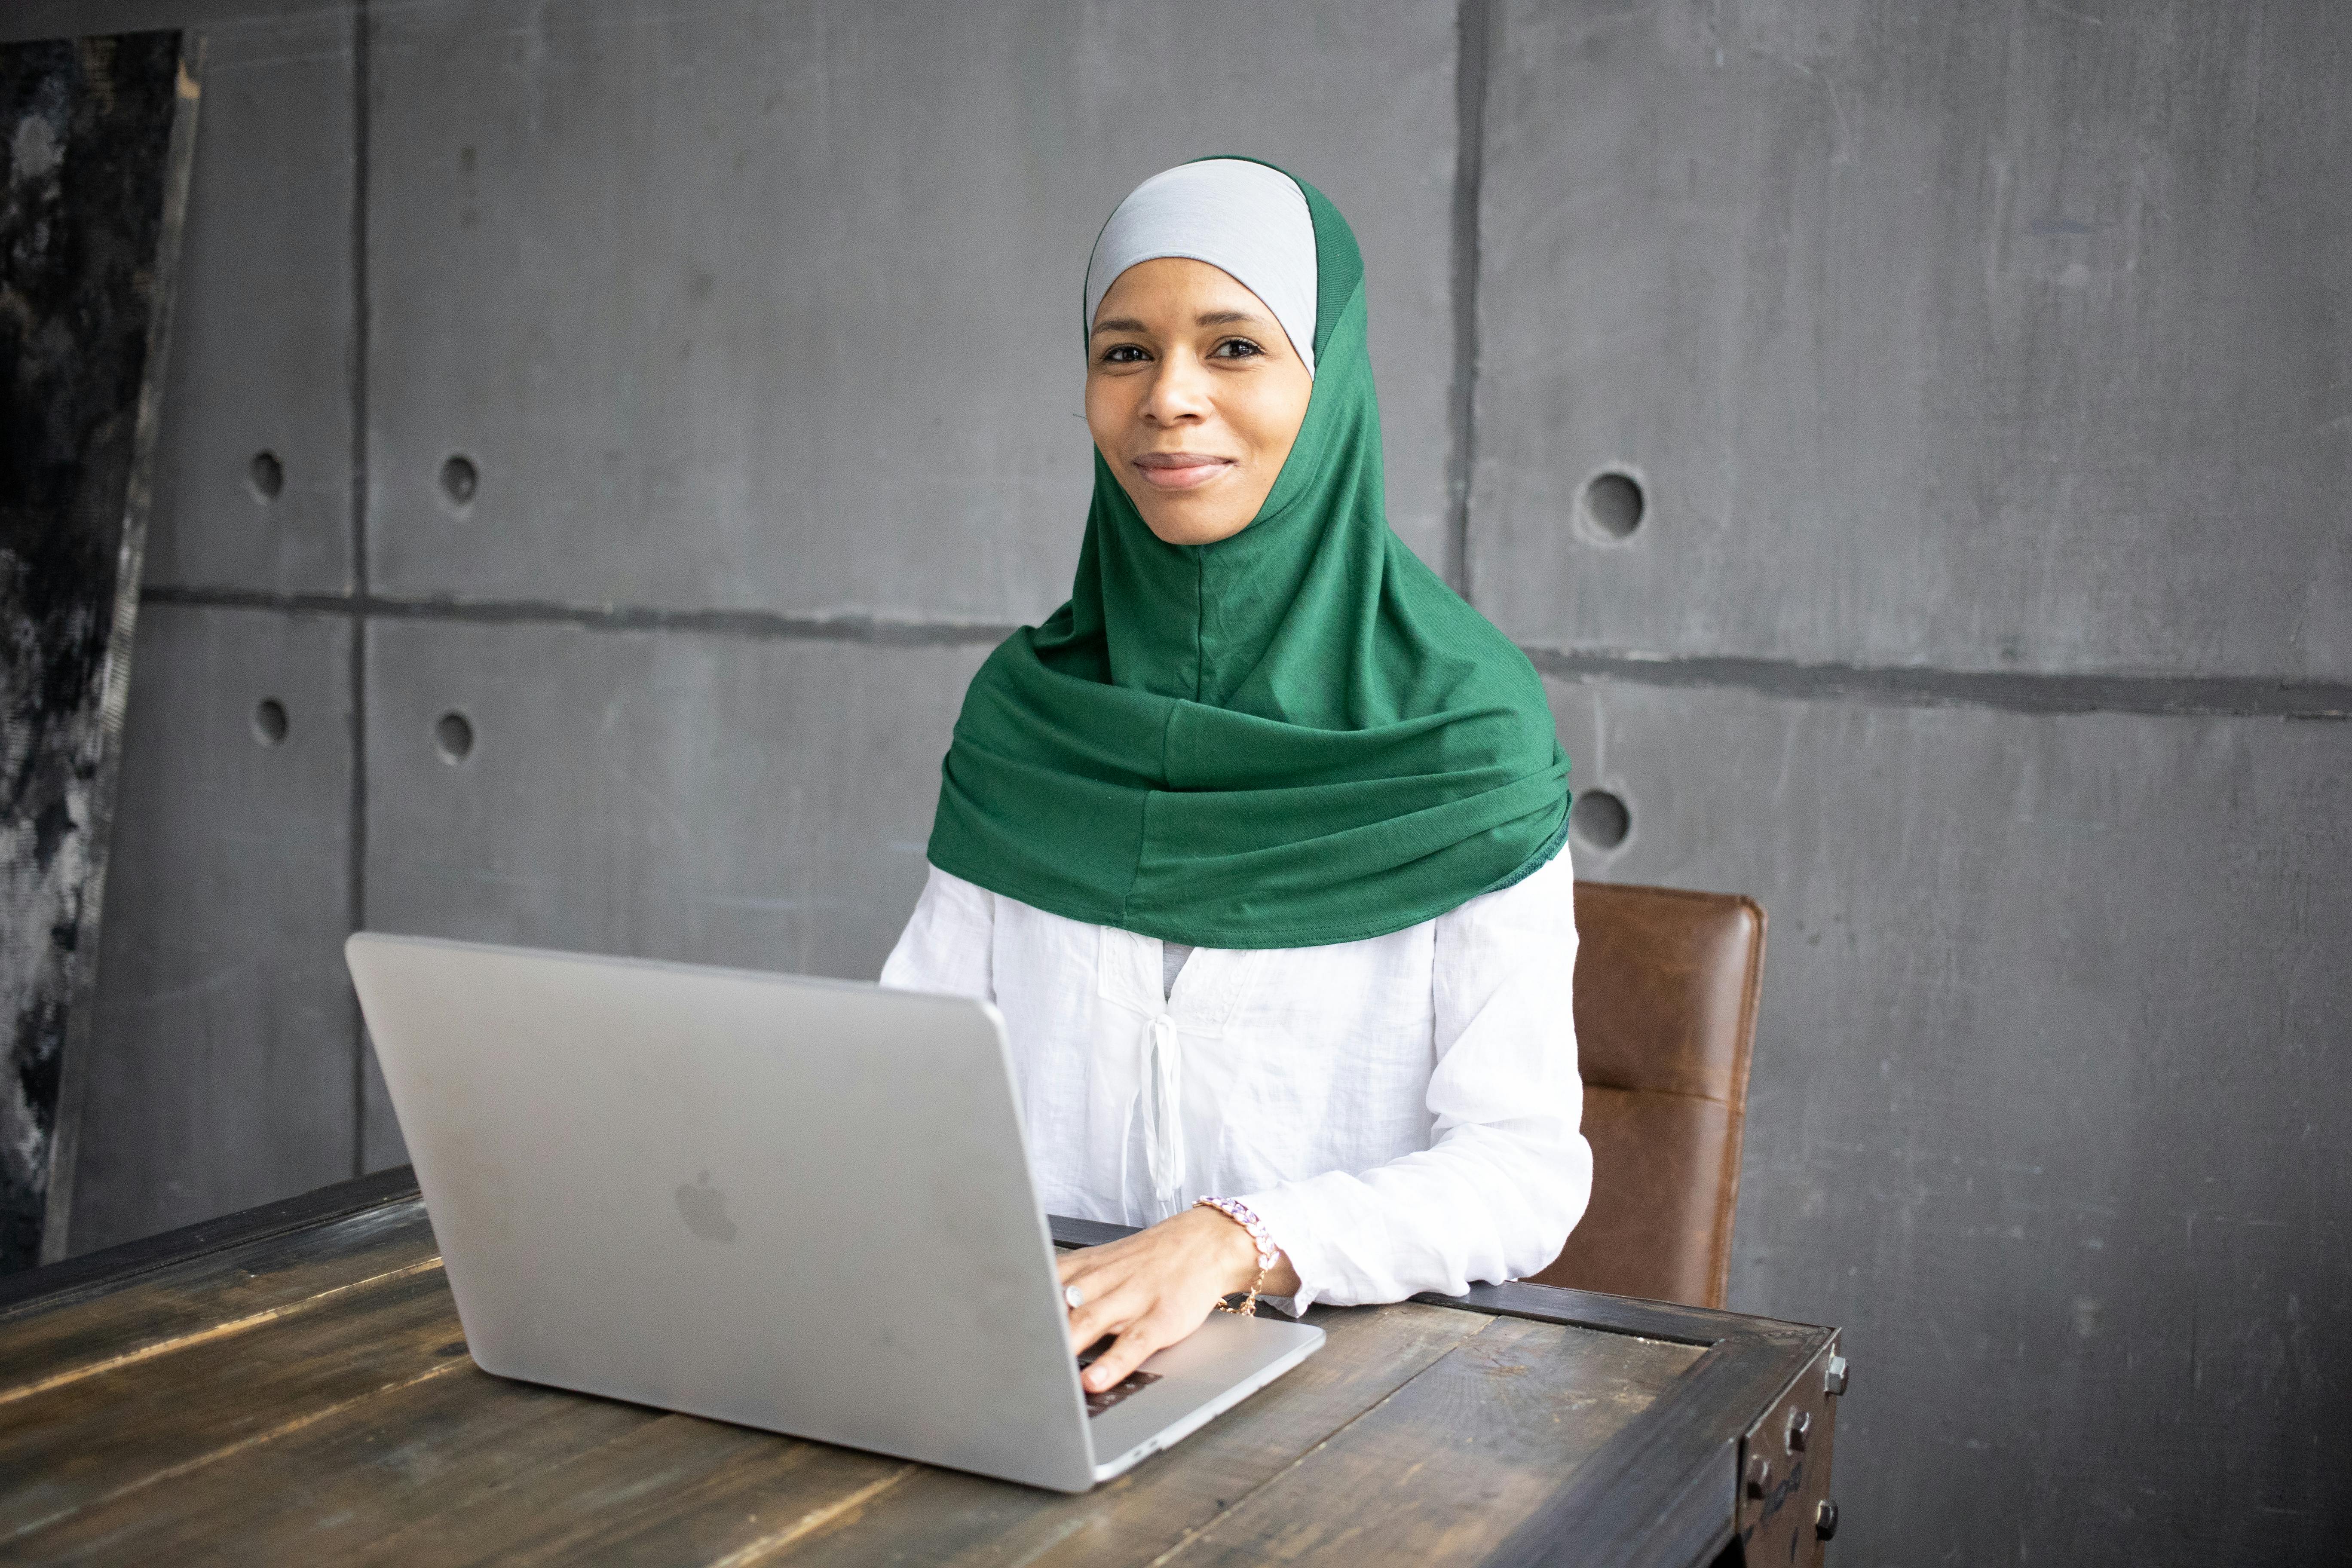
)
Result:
{"points": [[1073, 1295]]}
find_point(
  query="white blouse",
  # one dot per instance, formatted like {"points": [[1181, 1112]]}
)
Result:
{"points": [[1402, 1111]]}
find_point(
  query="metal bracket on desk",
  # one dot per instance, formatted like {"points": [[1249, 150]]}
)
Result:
{"points": [[1784, 1512]]}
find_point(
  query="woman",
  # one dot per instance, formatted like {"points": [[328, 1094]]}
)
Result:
{"points": [[1255, 842]]}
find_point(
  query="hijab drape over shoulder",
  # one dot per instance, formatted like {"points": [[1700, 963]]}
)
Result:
{"points": [[1294, 736]]}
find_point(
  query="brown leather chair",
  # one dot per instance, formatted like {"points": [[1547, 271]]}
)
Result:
{"points": [[1665, 1017]]}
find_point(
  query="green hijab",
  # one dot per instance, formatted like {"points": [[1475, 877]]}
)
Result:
{"points": [[1294, 736]]}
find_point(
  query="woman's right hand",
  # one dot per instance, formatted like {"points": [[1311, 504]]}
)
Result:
{"points": [[1154, 1288]]}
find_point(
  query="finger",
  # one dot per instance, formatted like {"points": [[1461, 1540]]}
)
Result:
{"points": [[1085, 1331], [1151, 1332], [1127, 1353], [1099, 1308], [1111, 1304], [1077, 1287], [1112, 1262], [1092, 1276]]}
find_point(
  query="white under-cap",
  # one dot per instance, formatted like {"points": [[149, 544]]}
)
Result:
{"points": [[1242, 217]]}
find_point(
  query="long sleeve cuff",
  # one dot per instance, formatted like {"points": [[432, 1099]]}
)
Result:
{"points": [[1291, 1218]]}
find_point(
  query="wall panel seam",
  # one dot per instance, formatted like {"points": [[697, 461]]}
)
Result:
{"points": [[1472, 29], [756, 624], [2019, 691], [356, 865], [1922, 686]]}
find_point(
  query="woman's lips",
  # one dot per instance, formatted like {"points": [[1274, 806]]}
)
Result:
{"points": [[1180, 470]]}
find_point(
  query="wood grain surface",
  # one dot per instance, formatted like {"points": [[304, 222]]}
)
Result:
{"points": [[307, 1397]]}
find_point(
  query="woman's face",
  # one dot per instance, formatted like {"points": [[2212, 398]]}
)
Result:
{"points": [[1193, 395]]}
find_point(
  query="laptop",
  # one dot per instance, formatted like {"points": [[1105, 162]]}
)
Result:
{"points": [[794, 1204]]}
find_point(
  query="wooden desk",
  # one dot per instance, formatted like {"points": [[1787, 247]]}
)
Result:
{"points": [[291, 1385]]}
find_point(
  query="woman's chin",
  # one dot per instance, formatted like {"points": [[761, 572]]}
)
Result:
{"points": [[1189, 528]]}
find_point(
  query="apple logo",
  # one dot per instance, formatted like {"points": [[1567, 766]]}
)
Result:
{"points": [[704, 1209]]}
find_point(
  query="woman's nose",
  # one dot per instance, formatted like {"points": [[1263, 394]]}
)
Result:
{"points": [[1180, 392]]}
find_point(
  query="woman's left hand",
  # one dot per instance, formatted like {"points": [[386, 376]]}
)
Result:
{"points": [[1157, 1285]]}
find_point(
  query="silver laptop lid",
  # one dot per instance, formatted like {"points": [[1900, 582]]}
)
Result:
{"points": [[800, 1205]]}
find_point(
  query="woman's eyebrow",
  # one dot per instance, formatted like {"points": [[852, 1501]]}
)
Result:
{"points": [[1209, 319]]}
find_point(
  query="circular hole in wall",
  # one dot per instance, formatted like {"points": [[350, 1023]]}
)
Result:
{"points": [[453, 736], [270, 722], [460, 478], [1600, 819], [266, 475], [1614, 504]]}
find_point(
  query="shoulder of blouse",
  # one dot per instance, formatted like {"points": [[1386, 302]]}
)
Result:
{"points": [[1547, 893]]}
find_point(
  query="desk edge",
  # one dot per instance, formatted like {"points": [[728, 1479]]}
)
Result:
{"points": [[33, 1290]]}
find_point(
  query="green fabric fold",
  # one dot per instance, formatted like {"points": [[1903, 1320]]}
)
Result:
{"points": [[1294, 736]]}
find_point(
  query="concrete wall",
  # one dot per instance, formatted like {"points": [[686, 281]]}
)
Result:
{"points": [[1988, 617], [1984, 367]]}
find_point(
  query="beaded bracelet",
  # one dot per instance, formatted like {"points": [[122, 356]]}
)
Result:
{"points": [[1268, 1255]]}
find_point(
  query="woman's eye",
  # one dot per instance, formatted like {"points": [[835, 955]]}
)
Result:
{"points": [[1122, 353], [1235, 348]]}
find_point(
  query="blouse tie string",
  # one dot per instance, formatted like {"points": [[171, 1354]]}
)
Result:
{"points": [[1163, 1079]]}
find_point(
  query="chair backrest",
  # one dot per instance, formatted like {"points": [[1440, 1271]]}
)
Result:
{"points": [[1666, 984]]}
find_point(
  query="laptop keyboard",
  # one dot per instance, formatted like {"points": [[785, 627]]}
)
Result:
{"points": [[1133, 1384]]}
